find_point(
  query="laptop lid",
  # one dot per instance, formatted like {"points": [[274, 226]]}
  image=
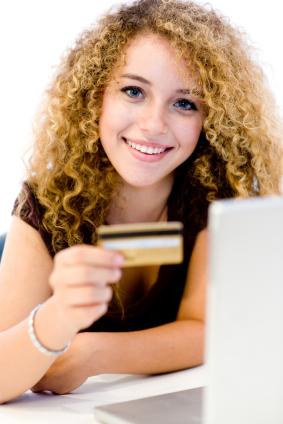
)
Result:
{"points": [[245, 312], [244, 346], [172, 408]]}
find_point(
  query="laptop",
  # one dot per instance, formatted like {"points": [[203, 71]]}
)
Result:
{"points": [[172, 408], [244, 337]]}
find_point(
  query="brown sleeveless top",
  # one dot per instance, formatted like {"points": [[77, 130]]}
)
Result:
{"points": [[161, 302]]}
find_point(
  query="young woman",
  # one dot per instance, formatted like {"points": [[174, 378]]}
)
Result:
{"points": [[157, 111]]}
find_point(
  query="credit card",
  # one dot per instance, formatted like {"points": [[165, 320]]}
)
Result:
{"points": [[150, 243]]}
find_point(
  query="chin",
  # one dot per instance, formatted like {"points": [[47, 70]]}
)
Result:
{"points": [[140, 184]]}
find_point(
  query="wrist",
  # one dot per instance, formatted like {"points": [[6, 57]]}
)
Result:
{"points": [[92, 352], [35, 340], [51, 327]]}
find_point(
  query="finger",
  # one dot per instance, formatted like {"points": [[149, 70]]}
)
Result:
{"points": [[87, 295], [44, 387], [39, 387], [92, 255], [81, 275], [88, 314]]}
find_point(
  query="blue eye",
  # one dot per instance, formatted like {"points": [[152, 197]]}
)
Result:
{"points": [[186, 104], [132, 91]]}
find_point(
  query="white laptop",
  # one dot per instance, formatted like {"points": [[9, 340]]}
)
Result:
{"points": [[244, 346]]}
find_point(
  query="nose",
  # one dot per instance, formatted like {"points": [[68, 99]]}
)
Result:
{"points": [[152, 120]]}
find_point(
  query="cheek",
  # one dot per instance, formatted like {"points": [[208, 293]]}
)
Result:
{"points": [[188, 134], [114, 117], [106, 117]]}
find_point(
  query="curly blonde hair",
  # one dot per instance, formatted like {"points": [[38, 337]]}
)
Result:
{"points": [[239, 153]]}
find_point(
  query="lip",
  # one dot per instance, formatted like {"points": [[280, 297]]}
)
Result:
{"points": [[147, 143], [144, 157]]}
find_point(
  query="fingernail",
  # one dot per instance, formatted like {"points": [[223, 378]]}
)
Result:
{"points": [[118, 273], [119, 260]]}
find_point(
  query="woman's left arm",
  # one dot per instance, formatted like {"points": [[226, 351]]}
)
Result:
{"points": [[166, 348], [169, 347]]}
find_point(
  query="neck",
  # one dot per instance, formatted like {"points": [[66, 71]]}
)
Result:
{"points": [[146, 204]]}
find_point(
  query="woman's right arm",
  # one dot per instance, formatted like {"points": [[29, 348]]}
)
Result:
{"points": [[73, 290]]}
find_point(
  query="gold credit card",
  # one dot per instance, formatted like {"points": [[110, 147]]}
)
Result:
{"points": [[150, 243]]}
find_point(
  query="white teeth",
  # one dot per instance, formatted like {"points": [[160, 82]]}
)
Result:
{"points": [[144, 149]]}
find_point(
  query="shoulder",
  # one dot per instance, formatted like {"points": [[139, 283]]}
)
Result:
{"points": [[28, 208], [199, 255], [193, 302], [24, 272]]}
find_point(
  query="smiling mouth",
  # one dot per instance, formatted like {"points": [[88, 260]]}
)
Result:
{"points": [[147, 150]]}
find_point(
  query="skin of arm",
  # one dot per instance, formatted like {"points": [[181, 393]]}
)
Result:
{"points": [[73, 290], [172, 346], [166, 348], [18, 295]]}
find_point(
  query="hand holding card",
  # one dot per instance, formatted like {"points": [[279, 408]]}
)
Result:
{"points": [[144, 243]]}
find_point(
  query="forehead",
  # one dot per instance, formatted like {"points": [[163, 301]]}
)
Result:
{"points": [[150, 55]]}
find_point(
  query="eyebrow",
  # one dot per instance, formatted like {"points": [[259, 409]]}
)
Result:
{"points": [[194, 91], [136, 77]]}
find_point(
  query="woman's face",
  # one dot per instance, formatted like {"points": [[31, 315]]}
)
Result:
{"points": [[150, 122]]}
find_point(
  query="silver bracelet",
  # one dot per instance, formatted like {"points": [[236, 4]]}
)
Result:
{"points": [[39, 346]]}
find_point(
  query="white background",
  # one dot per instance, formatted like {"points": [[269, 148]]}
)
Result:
{"points": [[33, 36]]}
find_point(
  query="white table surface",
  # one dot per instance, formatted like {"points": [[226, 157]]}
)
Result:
{"points": [[78, 407]]}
